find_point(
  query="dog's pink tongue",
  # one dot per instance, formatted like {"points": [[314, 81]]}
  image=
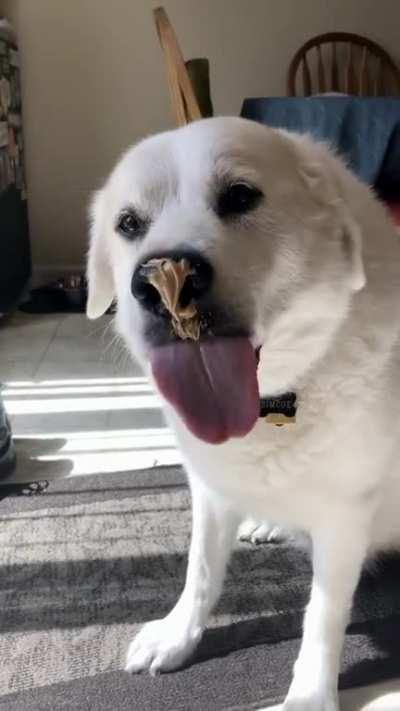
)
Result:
{"points": [[212, 384]]}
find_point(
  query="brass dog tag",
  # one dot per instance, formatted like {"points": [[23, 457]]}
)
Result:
{"points": [[279, 410], [279, 419]]}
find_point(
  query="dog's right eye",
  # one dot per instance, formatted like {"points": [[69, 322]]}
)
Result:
{"points": [[238, 198], [131, 225]]}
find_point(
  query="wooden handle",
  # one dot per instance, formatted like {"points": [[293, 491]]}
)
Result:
{"points": [[183, 97]]}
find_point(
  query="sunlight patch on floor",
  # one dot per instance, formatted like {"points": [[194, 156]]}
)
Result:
{"points": [[91, 450], [107, 462], [107, 441], [76, 381], [82, 404], [39, 391], [79, 396], [69, 454]]}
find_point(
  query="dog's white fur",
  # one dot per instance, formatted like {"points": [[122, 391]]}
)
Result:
{"points": [[315, 270]]}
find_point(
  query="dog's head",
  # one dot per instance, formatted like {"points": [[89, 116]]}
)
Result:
{"points": [[261, 218]]}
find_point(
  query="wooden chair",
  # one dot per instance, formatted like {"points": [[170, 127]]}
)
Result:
{"points": [[188, 82], [351, 65]]}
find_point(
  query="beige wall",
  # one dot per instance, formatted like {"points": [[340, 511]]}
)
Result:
{"points": [[93, 82]]}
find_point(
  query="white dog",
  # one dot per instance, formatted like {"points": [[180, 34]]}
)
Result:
{"points": [[289, 253]]}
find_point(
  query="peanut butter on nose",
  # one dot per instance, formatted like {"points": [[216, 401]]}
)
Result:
{"points": [[168, 277]]}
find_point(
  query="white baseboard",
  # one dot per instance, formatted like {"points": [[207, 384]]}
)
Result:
{"points": [[45, 273]]}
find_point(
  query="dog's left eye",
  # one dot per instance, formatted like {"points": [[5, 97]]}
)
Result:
{"points": [[130, 225], [237, 199]]}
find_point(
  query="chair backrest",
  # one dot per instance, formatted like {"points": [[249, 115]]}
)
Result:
{"points": [[184, 101], [345, 63]]}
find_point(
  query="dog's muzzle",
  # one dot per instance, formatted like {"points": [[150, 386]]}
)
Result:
{"points": [[173, 285]]}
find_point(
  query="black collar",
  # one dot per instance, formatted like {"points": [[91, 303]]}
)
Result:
{"points": [[279, 409]]}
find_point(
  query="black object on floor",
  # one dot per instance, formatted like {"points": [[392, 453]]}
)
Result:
{"points": [[53, 299], [7, 449], [90, 560]]}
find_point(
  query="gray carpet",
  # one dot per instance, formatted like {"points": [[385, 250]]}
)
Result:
{"points": [[89, 560]]}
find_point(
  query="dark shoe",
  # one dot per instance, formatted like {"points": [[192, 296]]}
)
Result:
{"points": [[7, 449]]}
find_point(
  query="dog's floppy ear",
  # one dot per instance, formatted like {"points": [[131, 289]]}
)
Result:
{"points": [[99, 273], [323, 181], [352, 243]]}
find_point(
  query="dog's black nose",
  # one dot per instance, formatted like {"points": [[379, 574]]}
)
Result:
{"points": [[197, 277]]}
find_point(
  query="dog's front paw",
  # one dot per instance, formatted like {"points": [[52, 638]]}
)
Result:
{"points": [[319, 701], [161, 645]]}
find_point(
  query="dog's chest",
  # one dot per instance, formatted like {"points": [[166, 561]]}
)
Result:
{"points": [[268, 472], [287, 473]]}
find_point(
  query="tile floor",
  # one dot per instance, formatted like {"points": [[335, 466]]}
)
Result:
{"points": [[77, 402], [79, 405]]}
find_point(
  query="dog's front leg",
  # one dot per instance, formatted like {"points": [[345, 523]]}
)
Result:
{"points": [[338, 555], [165, 644]]}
